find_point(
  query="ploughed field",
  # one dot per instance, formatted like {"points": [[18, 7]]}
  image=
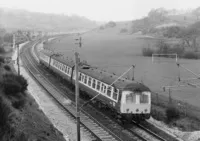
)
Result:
{"points": [[117, 52]]}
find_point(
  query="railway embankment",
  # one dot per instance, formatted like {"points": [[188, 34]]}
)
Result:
{"points": [[20, 116]]}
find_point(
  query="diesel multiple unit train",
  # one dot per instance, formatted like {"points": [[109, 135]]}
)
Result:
{"points": [[127, 99]]}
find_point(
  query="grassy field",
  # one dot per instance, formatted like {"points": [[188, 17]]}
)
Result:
{"points": [[115, 52]]}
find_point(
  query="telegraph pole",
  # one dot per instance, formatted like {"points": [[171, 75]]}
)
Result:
{"points": [[77, 92], [13, 41], [133, 78], [14, 44], [18, 60]]}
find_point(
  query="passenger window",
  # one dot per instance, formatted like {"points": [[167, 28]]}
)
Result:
{"points": [[85, 80], [131, 98], [93, 83], [105, 88], [144, 98], [66, 69], [89, 81], [102, 88], [74, 75], [109, 89], [63, 68], [98, 85], [82, 79], [115, 94], [80, 75]]}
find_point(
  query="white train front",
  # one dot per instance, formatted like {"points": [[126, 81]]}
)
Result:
{"points": [[127, 99]]}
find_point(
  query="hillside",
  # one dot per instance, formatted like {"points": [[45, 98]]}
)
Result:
{"points": [[24, 20], [162, 18], [153, 23]]}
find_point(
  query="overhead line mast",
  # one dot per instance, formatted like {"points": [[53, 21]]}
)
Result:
{"points": [[77, 89]]}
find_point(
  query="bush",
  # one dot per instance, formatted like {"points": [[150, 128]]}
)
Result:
{"points": [[147, 51], [172, 113], [123, 30], [190, 55], [111, 24], [172, 31], [14, 84], [19, 103], [11, 87], [158, 114], [178, 50], [2, 50], [7, 68], [23, 82], [162, 47], [4, 113], [1, 59], [101, 27]]}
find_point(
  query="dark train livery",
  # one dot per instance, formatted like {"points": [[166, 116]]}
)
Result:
{"points": [[127, 99]]}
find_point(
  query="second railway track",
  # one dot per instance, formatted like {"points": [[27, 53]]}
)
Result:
{"points": [[102, 129]]}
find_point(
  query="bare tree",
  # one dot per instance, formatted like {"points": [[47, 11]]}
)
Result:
{"points": [[196, 12], [189, 35], [158, 14]]}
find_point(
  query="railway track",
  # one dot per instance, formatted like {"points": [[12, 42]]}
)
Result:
{"points": [[102, 129], [87, 122]]}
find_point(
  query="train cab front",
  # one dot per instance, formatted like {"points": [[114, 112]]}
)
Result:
{"points": [[135, 105]]}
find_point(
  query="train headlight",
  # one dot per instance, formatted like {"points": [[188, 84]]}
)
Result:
{"points": [[145, 110], [137, 110]]}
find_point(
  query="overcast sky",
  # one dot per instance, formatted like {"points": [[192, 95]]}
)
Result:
{"points": [[100, 10]]}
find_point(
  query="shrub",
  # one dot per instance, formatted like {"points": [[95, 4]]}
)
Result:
{"points": [[14, 84], [4, 113], [19, 103], [123, 30], [2, 50], [172, 31], [11, 87], [1, 59], [23, 82], [178, 49], [190, 55], [7, 68], [162, 47], [147, 51], [111, 24], [158, 114], [101, 27], [172, 113]]}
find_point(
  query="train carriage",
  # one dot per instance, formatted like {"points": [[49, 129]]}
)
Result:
{"points": [[129, 99]]}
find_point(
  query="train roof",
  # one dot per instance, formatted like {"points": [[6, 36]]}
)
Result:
{"points": [[101, 75]]}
